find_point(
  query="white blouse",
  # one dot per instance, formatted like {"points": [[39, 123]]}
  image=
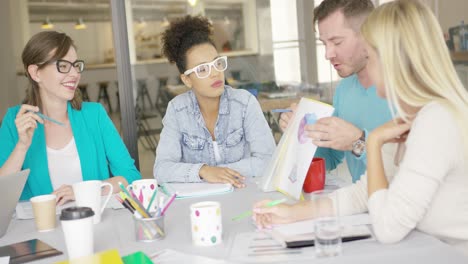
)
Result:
{"points": [[428, 192], [64, 165]]}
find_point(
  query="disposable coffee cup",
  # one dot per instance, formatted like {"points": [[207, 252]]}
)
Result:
{"points": [[44, 212], [77, 225]]}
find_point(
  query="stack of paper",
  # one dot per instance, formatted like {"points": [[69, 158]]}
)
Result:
{"points": [[190, 190], [169, 256]]}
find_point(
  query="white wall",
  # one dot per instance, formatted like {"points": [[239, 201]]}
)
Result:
{"points": [[8, 93], [93, 42], [451, 12]]}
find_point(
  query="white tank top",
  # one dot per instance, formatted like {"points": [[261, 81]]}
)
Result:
{"points": [[64, 165], [216, 152]]}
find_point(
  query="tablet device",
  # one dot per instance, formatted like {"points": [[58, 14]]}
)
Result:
{"points": [[29, 250]]}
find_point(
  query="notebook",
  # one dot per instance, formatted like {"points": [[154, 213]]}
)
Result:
{"points": [[190, 190], [12, 185], [137, 258], [29, 250], [110, 256], [301, 234]]}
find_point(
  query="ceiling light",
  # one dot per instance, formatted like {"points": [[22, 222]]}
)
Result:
{"points": [[226, 20], [141, 22], [192, 2], [80, 24], [165, 22], [47, 24]]}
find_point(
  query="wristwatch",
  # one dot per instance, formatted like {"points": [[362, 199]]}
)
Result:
{"points": [[359, 146]]}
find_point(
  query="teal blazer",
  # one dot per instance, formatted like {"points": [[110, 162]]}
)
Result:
{"points": [[98, 142]]}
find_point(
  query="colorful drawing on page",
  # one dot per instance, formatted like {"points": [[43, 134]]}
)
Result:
{"points": [[308, 119], [293, 174], [288, 167]]}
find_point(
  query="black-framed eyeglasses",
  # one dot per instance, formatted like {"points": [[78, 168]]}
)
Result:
{"points": [[64, 66]]}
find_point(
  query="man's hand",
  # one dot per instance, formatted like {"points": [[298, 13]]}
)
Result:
{"points": [[333, 132], [285, 118]]}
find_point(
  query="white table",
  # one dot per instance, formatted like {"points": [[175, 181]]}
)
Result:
{"points": [[116, 231]]}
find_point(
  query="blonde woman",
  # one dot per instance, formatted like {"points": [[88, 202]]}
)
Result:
{"points": [[411, 67]]}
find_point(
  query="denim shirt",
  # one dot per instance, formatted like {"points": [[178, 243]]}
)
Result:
{"points": [[244, 138]]}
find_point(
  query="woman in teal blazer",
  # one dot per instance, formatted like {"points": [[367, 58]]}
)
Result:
{"points": [[84, 146]]}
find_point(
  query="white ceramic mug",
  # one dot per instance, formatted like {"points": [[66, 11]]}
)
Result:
{"points": [[88, 194], [144, 190], [207, 228]]}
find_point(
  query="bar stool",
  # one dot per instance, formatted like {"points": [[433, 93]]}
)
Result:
{"points": [[84, 92], [104, 94], [117, 95], [143, 93], [162, 98]]}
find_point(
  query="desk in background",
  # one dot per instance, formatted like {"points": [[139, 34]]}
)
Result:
{"points": [[267, 104], [116, 231]]}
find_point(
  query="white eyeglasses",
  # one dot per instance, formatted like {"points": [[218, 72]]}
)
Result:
{"points": [[204, 70]]}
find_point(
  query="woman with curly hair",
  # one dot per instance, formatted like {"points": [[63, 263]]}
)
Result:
{"points": [[212, 133]]}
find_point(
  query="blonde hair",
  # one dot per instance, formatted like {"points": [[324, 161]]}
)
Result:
{"points": [[416, 63]]}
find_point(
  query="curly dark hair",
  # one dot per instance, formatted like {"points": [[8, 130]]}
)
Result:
{"points": [[183, 34]]}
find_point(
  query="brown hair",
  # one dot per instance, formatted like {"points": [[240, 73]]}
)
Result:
{"points": [[350, 8], [183, 34], [38, 52]]}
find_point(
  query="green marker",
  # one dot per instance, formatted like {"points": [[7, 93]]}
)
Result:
{"points": [[249, 213]]}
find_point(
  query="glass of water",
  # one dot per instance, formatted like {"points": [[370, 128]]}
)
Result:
{"points": [[327, 223]]}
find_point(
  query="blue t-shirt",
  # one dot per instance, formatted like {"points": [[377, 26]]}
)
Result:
{"points": [[364, 109]]}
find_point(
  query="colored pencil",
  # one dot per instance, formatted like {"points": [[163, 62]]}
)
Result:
{"points": [[249, 213]]}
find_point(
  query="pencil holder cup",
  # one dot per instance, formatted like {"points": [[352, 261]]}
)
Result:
{"points": [[149, 229]]}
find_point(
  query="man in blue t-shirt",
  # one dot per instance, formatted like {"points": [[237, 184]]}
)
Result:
{"points": [[358, 109]]}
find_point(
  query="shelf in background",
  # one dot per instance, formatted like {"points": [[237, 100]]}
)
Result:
{"points": [[461, 56]]}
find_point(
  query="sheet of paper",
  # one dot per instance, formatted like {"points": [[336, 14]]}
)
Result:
{"points": [[24, 209], [260, 247], [291, 160], [169, 256], [4, 260]]}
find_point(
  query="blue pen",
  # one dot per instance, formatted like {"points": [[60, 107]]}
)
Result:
{"points": [[48, 118], [281, 110]]}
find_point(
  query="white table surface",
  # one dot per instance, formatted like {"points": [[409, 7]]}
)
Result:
{"points": [[116, 230]]}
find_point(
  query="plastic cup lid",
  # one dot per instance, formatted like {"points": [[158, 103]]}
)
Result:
{"points": [[76, 212]]}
